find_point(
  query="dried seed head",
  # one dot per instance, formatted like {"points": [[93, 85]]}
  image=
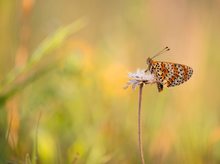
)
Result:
{"points": [[140, 77]]}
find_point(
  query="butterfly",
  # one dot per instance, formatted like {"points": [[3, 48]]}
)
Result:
{"points": [[167, 73]]}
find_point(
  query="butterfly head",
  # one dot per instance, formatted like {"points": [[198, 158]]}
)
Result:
{"points": [[149, 64], [150, 61]]}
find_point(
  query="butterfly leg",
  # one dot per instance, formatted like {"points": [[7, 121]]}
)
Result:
{"points": [[159, 86]]}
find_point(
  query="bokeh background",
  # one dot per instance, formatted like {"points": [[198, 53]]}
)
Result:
{"points": [[63, 65]]}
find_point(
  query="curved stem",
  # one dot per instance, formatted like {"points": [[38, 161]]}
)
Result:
{"points": [[139, 125]]}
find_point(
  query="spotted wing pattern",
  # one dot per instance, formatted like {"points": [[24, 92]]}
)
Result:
{"points": [[171, 74]]}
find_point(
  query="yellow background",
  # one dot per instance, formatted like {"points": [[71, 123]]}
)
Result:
{"points": [[63, 65]]}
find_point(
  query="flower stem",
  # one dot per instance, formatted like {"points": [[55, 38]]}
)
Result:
{"points": [[139, 125]]}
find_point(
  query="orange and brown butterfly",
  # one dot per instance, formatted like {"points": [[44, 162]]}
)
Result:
{"points": [[167, 73]]}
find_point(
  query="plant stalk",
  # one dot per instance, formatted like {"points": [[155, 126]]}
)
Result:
{"points": [[140, 125]]}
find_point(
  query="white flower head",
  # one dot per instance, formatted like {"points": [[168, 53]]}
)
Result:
{"points": [[140, 77]]}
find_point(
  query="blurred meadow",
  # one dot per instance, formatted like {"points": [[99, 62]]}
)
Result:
{"points": [[63, 65]]}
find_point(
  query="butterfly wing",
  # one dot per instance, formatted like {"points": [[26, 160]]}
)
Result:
{"points": [[171, 74], [184, 74]]}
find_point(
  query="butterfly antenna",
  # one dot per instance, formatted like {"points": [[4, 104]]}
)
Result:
{"points": [[161, 52]]}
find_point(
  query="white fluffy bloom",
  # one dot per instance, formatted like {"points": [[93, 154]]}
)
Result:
{"points": [[139, 77]]}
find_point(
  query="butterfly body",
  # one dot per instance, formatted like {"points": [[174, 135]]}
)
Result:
{"points": [[169, 74]]}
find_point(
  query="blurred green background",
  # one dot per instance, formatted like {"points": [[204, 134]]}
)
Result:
{"points": [[63, 65]]}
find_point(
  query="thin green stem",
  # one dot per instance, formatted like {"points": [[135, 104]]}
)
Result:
{"points": [[35, 156], [140, 125]]}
